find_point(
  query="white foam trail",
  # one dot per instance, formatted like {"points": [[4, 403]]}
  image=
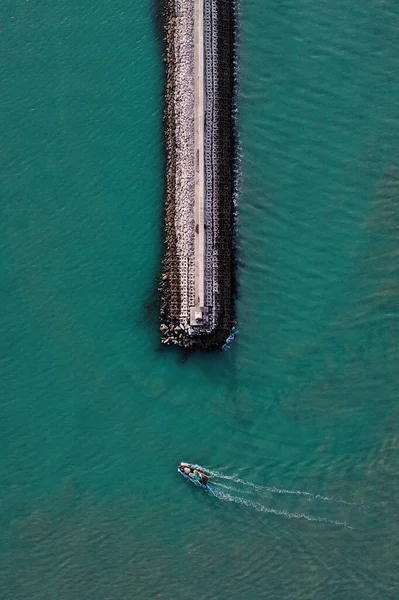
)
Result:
{"points": [[282, 513], [265, 488], [231, 487]]}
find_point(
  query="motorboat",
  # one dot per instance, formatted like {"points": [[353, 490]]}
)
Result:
{"points": [[193, 474]]}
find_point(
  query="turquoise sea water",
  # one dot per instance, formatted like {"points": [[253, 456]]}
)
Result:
{"points": [[298, 420]]}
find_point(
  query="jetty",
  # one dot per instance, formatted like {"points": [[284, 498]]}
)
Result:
{"points": [[197, 286]]}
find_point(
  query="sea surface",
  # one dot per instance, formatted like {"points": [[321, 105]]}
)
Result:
{"points": [[298, 420]]}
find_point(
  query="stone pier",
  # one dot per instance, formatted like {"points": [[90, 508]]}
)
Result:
{"points": [[198, 268], [198, 314]]}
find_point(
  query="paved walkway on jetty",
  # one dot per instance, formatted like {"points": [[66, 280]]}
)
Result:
{"points": [[197, 315]]}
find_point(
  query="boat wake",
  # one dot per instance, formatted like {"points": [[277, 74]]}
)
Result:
{"points": [[282, 513], [232, 488], [272, 489]]}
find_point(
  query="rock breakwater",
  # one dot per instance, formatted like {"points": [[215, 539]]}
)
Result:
{"points": [[184, 320]]}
